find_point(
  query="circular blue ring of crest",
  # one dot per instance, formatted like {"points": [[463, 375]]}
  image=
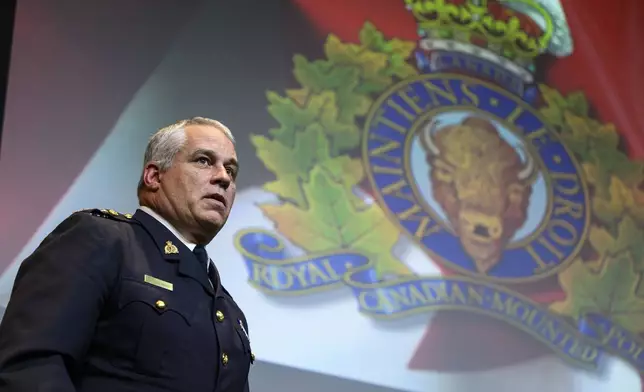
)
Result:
{"points": [[406, 108]]}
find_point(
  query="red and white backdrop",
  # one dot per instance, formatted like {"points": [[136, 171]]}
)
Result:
{"points": [[434, 195]]}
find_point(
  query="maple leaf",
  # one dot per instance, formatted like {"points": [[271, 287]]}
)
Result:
{"points": [[609, 284], [598, 144], [397, 51], [323, 75], [592, 142], [321, 108], [609, 291], [628, 238], [556, 105], [611, 205], [370, 64], [291, 166], [331, 222]]}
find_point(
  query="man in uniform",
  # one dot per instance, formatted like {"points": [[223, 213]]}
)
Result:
{"points": [[111, 302]]}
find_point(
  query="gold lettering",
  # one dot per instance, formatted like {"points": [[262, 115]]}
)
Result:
{"points": [[363, 300], [398, 297], [564, 340], [561, 179], [623, 343], [417, 296], [474, 297], [457, 296], [433, 90], [426, 226], [333, 275], [589, 353], [465, 89], [411, 98], [512, 117], [583, 351], [306, 275], [381, 119], [568, 207], [260, 274], [387, 170], [299, 272], [511, 307], [541, 263], [540, 137], [394, 105], [429, 291], [275, 283], [382, 151], [393, 189], [549, 246], [567, 227], [438, 291]]}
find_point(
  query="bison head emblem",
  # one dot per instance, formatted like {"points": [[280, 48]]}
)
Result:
{"points": [[481, 183]]}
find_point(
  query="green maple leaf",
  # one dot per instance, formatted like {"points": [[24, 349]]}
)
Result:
{"points": [[371, 65], [291, 165], [320, 109], [292, 117], [330, 221], [322, 75], [617, 202], [627, 238], [397, 51], [598, 144], [556, 105], [609, 291]]}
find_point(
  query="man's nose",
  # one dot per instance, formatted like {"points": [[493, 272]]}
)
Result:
{"points": [[221, 177]]}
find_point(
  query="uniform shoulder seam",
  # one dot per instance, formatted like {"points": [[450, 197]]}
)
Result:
{"points": [[107, 214]]}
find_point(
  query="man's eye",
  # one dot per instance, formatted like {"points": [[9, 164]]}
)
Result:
{"points": [[203, 161], [231, 171]]}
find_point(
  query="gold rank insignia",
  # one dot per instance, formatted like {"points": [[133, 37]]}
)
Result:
{"points": [[158, 282], [170, 248]]}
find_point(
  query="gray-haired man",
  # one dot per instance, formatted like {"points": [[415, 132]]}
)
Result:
{"points": [[118, 302]]}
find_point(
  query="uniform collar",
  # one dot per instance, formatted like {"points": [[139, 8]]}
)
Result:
{"points": [[168, 226], [173, 247]]}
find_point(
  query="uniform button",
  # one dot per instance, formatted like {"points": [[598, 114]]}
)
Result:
{"points": [[220, 316], [160, 304], [224, 359]]}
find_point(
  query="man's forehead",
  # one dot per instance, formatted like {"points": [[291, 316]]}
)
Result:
{"points": [[204, 130], [211, 142]]}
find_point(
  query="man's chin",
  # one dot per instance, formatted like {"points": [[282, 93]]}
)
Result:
{"points": [[212, 221]]}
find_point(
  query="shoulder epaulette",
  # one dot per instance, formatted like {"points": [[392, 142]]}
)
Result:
{"points": [[108, 214]]}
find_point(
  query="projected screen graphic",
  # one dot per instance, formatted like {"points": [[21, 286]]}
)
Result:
{"points": [[435, 195]]}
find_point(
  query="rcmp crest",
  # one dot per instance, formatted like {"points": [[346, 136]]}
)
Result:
{"points": [[452, 145]]}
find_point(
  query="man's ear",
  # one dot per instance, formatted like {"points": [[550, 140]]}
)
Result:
{"points": [[152, 176]]}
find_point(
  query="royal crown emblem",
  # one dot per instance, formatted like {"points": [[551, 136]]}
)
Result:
{"points": [[498, 40]]}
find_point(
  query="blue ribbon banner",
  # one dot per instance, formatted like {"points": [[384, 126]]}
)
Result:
{"points": [[272, 271]]}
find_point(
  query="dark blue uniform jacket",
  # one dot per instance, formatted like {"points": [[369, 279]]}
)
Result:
{"points": [[114, 303]]}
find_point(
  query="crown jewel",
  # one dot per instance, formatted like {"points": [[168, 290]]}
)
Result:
{"points": [[503, 29]]}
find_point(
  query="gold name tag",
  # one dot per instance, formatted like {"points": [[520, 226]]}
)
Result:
{"points": [[158, 282]]}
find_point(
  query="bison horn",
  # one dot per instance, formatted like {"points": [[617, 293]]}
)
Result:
{"points": [[528, 168], [428, 137]]}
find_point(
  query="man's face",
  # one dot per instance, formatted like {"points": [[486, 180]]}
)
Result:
{"points": [[200, 185]]}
